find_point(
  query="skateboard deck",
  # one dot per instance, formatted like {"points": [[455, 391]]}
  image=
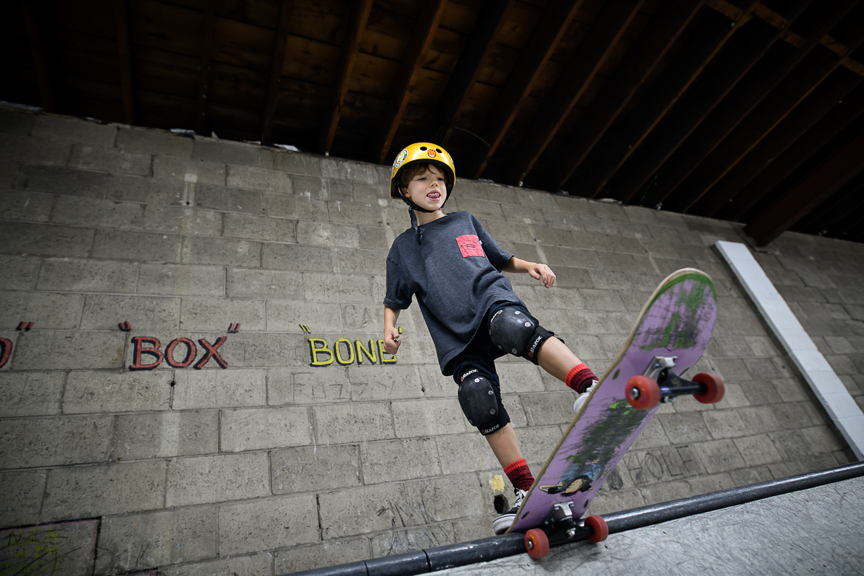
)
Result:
{"points": [[676, 322]]}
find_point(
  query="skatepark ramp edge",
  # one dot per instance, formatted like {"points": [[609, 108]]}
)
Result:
{"points": [[487, 549]]}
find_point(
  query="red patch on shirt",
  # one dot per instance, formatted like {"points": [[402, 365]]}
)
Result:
{"points": [[470, 246]]}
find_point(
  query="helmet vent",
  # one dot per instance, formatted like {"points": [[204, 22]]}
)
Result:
{"points": [[423, 148]]}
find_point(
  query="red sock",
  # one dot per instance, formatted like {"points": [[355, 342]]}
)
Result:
{"points": [[519, 474], [579, 378]]}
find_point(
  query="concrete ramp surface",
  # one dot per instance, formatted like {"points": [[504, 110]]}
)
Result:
{"points": [[813, 531]]}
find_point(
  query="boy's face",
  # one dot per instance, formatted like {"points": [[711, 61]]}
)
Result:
{"points": [[428, 189]]}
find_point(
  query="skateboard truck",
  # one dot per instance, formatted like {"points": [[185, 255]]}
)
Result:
{"points": [[660, 384], [559, 527]]}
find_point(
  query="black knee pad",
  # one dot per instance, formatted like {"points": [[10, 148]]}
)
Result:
{"points": [[514, 332], [480, 403]]}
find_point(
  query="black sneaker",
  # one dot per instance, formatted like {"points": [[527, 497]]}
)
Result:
{"points": [[505, 520]]}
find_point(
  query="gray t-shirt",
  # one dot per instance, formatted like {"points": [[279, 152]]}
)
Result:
{"points": [[456, 275]]}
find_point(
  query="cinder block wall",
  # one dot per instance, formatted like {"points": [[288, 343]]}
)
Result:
{"points": [[269, 464]]}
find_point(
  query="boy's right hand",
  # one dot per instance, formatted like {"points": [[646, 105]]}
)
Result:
{"points": [[392, 340]]}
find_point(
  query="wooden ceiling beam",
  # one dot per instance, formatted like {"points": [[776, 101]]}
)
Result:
{"points": [[124, 53], [544, 39], [415, 56], [836, 214], [646, 53], [35, 17], [615, 147], [208, 26], [751, 111], [592, 53], [277, 62], [717, 81], [839, 169], [475, 54], [347, 58], [781, 167]]}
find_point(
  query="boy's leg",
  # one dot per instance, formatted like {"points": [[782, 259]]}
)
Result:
{"points": [[505, 445], [558, 360]]}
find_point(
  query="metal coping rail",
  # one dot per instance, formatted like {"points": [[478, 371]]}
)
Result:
{"points": [[487, 549]]}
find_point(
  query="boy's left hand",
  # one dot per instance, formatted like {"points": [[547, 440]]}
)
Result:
{"points": [[543, 273]]}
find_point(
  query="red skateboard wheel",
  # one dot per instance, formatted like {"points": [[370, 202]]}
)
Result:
{"points": [[598, 525], [715, 389], [536, 543], [643, 393]]}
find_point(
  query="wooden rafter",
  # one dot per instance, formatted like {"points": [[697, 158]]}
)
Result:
{"points": [[822, 132], [838, 213], [360, 16], [39, 48], [746, 49], [277, 61], [717, 146], [474, 56], [615, 147], [545, 37], [208, 26], [124, 52], [593, 52], [643, 57], [409, 69], [839, 169]]}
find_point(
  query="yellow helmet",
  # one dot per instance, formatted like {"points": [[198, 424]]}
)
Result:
{"points": [[423, 152]]}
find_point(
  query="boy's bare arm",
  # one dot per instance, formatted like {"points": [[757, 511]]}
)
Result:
{"points": [[541, 272], [391, 333]]}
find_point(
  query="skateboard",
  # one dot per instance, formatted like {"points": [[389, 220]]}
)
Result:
{"points": [[670, 335]]}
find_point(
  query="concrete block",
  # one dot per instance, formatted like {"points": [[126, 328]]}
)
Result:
{"points": [[354, 422], [262, 428], [395, 460], [312, 187], [759, 419], [322, 555], [228, 199], [357, 213], [52, 127], [252, 565], [88, 491], [548, 408], [224, 251], [219, 389], [141, 541], [409, 540], [15, 121], [46, 311], [428, 418], [354, 171], [225, 152], [263, 228], [360, 261], [366, 318], [757, 450], [69, 350], [306, 386], [291, 162], [465, 453], [21, 497], [221, 478], [281, 206], [269, 284], [87, 275], [141, 246], [724, 424], [271, 349], [35, 151], [608, 502], [89, 392], [296, 258], [102, 312], [719, 456], [324, 234], [252, 178], [275, 522], [215, 314], [188, 171], [822, 439], [45, 240], [52, 180], [25, 206], [165, 435], [376, 382], [19, 272], [30, 393], [173, 279], [337, 288], [153, 141], [99, 159], [371, 192], [64, 548], [183, 220], [28, 443], [146, 190], [315, 468]]}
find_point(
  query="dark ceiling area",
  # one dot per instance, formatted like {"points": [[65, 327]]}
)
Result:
{"points": [[733, 109]]}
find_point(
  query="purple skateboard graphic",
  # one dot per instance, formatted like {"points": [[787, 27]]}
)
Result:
{"points": [[677, 322]]}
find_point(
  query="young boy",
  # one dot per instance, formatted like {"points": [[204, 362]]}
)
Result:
{"points": [[453, 267]]}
